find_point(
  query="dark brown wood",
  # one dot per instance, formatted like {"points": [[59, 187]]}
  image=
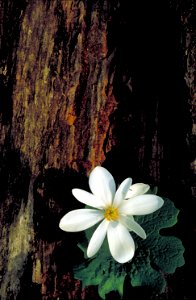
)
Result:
{"points": [[85, 83]]}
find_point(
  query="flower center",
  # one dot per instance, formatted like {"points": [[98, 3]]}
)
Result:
{"points": [[111, 213]]}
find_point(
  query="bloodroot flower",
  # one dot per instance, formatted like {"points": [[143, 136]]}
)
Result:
{"points": [[115, 210]]}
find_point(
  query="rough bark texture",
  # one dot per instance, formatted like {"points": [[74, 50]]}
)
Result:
{"points": [[85, 83]]}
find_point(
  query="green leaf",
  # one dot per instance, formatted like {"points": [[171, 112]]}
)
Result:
{"points": [[114, 282], [142, 273], [154, 257], [104, 272]]}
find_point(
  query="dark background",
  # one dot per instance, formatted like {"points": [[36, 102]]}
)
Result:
{"points": [[145, 129]]}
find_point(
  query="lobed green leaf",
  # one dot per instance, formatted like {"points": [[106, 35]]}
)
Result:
{"points": [[154, 257]]}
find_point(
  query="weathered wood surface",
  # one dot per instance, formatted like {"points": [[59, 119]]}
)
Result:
{"points": [[85, 83]]}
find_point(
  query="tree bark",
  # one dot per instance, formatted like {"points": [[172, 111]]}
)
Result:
{"points": [[86, 83]]}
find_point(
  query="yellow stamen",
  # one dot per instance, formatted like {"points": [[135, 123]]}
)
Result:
{"points": [[111, 213]]}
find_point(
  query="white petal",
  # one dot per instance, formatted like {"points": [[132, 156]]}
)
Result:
{"points": [[131, 225], [80, 219], [97, 238], [87, 198], [120, 242], [137, 189], [141, 205], [122, 191], [102, 185]]}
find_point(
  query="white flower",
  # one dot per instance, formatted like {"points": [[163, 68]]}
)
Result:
{"points": [[115, 209]]}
